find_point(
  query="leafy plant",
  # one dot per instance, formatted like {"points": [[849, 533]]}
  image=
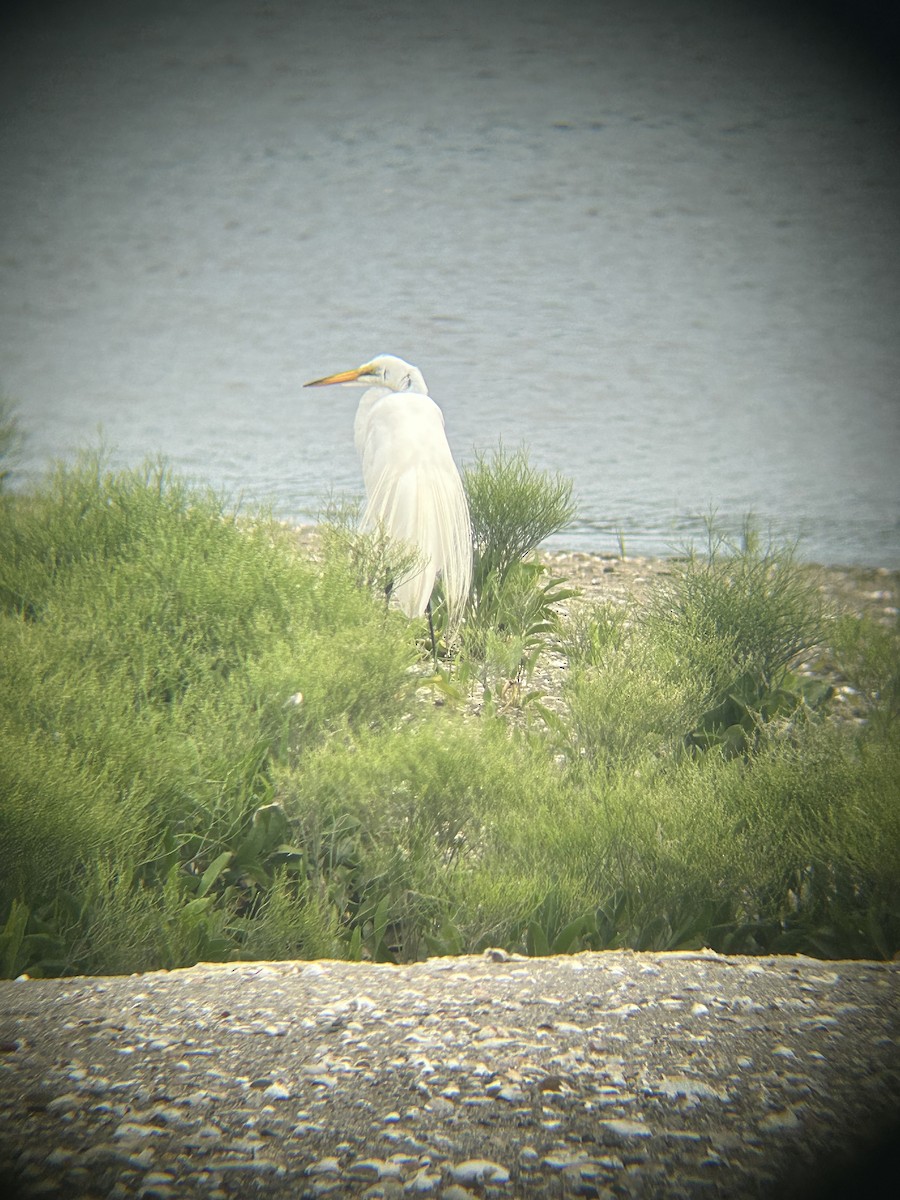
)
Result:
{"points": [[157, 655], [708, 665], [215, 743], [513, 509], [376, 561], [750, 602], [867, 654]]}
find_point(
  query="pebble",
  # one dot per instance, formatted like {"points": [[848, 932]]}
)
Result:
{"points": [[132, 1130], [168, 1114], [479, 1170], [694, 1090], [59, 1157], [374, 1168], [626, 1128], [324, 1166], [561, 1160], [423, 1182], [783, 1121], [784, 1052]]}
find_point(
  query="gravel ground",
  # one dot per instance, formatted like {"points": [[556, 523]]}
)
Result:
{"points": [[597, 1075], [871, 590]]}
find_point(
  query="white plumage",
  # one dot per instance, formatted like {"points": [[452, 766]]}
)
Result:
{"points": [[413, 488]]}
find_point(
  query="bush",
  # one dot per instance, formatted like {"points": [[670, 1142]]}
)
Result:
{"points": [[867, 654], [213, 745], [708, 665], [10, 441], [513, 509], [151, 645]]}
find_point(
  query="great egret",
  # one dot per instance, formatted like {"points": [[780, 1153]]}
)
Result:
{"points": [[414, 491]]}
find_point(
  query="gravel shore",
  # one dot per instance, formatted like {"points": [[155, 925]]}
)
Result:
{"points": [[596, 1075], [871, 590], [874, 591]]}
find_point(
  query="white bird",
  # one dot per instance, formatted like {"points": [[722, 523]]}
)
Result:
{"points": [[413, 489]]}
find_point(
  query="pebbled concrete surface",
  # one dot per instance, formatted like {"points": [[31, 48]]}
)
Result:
{"points": [[597, 1075]]}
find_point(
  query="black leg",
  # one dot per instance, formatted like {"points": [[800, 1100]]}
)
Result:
{"points": [[431, 631]]}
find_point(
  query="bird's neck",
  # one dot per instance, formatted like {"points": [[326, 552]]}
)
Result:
{"points": [[370, 398]]}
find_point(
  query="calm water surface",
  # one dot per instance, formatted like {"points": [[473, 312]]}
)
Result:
{"points": [[657, 243]]}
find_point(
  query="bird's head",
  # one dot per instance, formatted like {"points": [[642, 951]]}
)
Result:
{"points": [[386, 370]]}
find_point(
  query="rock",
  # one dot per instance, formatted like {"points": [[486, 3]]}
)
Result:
{"points": [[324, 1166], [690, 1088], [784, 1120], [132, 1130], [479, 1170], [423, 1183], [626, 1129]]}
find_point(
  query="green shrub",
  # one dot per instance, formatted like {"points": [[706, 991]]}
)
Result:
{"points": [[389, 821], [706, 666], [513, 509], [213, 745], [867, 654], [153, 650], [11, 441], [751, 600]]}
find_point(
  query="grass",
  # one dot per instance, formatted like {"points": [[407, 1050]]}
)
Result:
{"points": [[513, 509], [215, 745]]}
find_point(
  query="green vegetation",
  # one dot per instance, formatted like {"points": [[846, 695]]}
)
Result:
{"points": [[217, 744], [10, 441], [513, 509]]}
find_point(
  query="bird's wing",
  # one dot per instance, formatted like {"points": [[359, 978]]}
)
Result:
{"points": [[415, 493]]}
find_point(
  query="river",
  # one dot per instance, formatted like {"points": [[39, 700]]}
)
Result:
{"points": [[656, 243]]}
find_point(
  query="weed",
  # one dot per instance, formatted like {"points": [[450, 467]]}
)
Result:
{"points": [[707, 666], [867, 654], [11, 440], [212, 746], [513, 508]]}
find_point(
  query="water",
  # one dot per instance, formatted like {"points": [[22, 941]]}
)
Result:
{"points": [[658, 243]]}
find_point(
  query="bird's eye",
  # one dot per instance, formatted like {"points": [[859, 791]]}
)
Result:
{"points": [[406, 383]]}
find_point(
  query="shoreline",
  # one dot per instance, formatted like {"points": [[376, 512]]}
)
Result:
{"points": [[870, 591], [606, 575]]}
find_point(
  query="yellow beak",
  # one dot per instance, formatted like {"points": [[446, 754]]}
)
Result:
{"points": [[340, 377]]}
